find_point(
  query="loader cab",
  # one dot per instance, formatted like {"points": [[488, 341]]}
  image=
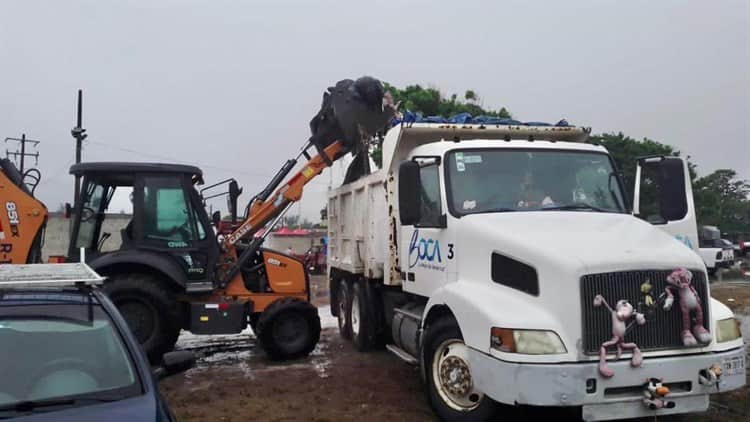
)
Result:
{"points": [[168, 219]]}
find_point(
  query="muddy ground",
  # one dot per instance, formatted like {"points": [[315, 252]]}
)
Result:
{"points": [[234, 382]]}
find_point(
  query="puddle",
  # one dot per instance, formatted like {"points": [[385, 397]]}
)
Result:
{"points": [[241, 352]]}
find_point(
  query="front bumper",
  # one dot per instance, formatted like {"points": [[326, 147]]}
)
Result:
{"points": [[725, 264], [579, 384]]}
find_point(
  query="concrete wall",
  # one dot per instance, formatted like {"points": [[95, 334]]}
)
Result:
{"points": [[299, 244], [58, 232]]}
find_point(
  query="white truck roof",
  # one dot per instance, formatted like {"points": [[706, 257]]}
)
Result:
{"points": [[405, 137]]}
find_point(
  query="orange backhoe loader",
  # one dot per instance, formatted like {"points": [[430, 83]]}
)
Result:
{"points": [[172, 270], [22, 217]]}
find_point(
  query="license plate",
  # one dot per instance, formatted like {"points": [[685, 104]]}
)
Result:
{"points": [[735, 365]]}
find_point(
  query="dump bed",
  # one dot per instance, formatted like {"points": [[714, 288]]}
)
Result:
{"points": [[357, 226]]}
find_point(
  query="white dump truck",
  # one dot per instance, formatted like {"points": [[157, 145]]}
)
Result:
{"points": [[507, 262]]}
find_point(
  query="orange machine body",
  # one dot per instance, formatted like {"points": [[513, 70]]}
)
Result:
{"points": [[22, 219]]}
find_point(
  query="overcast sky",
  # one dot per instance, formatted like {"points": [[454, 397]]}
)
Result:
{"points": [[231, 86]]}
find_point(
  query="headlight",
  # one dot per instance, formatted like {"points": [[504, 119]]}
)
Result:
{"points": [[727, 330], [526, 342]]}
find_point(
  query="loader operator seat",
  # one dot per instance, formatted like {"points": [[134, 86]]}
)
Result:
{"points": [[127, 235]]}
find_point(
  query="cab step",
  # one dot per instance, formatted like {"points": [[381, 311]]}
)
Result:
{"points": [[401, 353]]}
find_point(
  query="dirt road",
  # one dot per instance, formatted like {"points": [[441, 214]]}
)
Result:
{"points": [[234, 382]]}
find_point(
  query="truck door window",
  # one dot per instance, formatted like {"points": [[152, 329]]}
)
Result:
{"points": [[430, 211]]}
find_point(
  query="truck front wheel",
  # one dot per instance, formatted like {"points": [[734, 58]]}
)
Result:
{"points": [[450, 380], [148, 308]]}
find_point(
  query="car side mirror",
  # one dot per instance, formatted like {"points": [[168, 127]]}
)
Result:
{"points": [[409, 198], [175, 362]]}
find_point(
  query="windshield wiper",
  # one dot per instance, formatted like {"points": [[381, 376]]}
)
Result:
{"points": [[576, 206], [30, 405]]}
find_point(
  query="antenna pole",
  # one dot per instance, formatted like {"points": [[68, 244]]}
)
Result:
{"points": [[78, 133]]}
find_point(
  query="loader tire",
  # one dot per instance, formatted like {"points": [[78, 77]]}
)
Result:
{"points": [[288, 329], [149, 308]]}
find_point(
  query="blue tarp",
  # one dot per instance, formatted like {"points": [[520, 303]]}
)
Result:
{"points": [[466, 118]]}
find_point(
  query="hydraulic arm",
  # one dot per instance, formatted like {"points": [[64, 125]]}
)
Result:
{"points": [[352, 112]]}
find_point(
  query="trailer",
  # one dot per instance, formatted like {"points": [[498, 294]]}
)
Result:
{"points": [[505, 260]]}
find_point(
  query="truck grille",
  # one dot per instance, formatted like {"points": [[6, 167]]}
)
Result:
{"points": [[662, 329]]}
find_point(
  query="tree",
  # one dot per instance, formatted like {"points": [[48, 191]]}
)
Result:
{"points": [[431, 102], [722, 200]]}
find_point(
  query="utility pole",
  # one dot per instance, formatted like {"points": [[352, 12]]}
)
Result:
{"points": [[79, 135], [22, 154]]}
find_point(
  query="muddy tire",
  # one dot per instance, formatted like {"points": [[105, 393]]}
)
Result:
{"points": [[150, 309], [450, 388], [288, 329], [344, 304], [361, 317]]}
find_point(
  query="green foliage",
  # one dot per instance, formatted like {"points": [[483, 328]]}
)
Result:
{"points": [[722, 200], [431, 102]]}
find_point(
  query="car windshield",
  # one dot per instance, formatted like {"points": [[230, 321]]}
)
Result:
{"points": [[501, 180], [66, 350]]}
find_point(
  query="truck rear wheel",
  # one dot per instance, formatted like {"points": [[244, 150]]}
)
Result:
{"points": [[149, 310], [450, 386], [288, 329], [360, 315], [343, 298]]}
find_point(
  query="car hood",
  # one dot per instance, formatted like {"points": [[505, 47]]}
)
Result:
{"points": [[135, 409]]}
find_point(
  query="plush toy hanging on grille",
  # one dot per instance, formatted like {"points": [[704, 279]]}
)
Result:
{"points": [[680, 281], [655, 393], [622, 313]]}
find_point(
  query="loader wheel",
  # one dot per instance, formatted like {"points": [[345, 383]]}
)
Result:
{"points": [[361, 317], [288, 329], [343, 299], [149, 309]]}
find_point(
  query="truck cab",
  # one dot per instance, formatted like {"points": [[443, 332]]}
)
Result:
{"points": [[510, 264]]}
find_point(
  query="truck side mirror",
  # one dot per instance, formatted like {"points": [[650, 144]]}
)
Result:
{"points": [[409, 198], [216, 218]]}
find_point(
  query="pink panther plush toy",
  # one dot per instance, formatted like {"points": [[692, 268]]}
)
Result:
{"points": [[680, 281], [622, 313]]}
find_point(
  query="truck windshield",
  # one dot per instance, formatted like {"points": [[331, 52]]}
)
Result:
{"points": [[501, 180], [61, 351]]}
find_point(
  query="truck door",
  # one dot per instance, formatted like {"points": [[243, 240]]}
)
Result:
{"points": [[664, 197], [427, 252]]}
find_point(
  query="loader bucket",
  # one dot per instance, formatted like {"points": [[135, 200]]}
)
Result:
{"points": [[352, 112]]}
